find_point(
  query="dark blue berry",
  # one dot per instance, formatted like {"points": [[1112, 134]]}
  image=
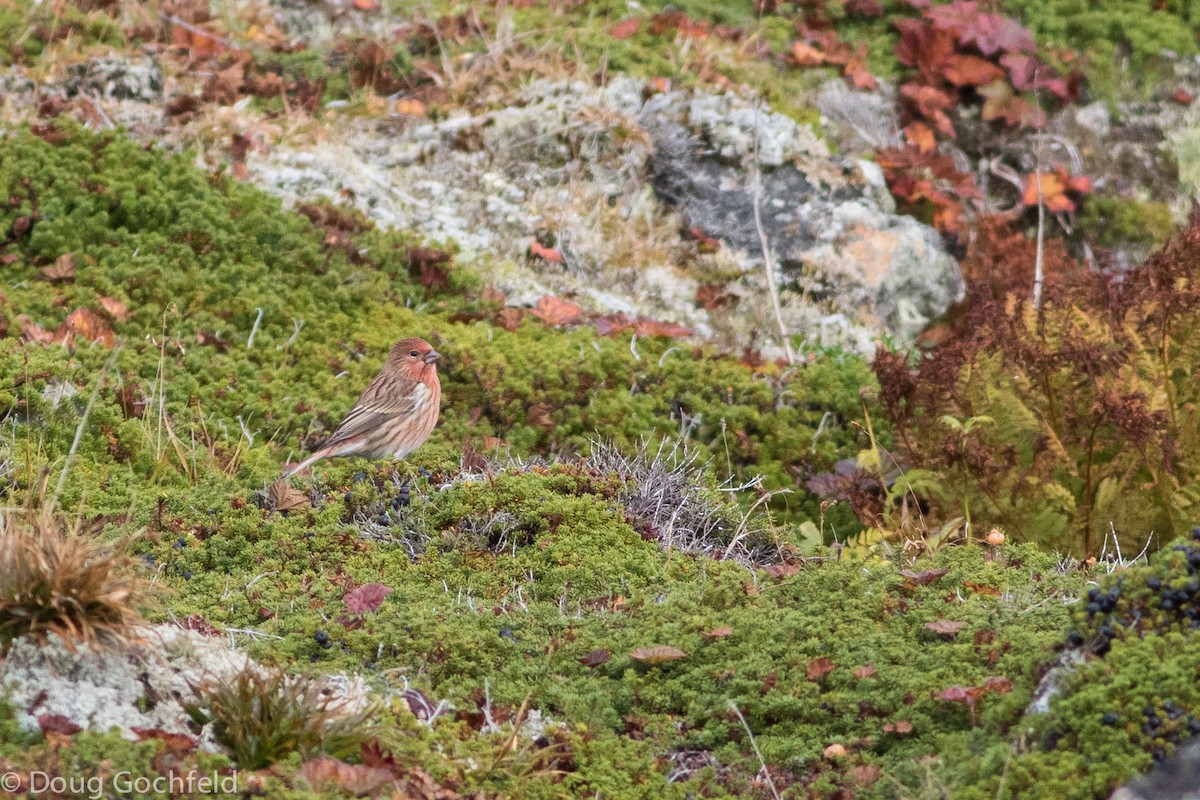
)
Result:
{"points": [[1093, 608], [383, 520], [322, 638], [506, 633], [1196, 532], [1193, 726], [348, 498], [1093, 594], [359, 477], [1154, 583], [1110, 718], [1075, 639], [1107, 632], [187, 575]]}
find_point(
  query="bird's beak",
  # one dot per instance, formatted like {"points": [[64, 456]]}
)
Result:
{"points": [[431, 357]]}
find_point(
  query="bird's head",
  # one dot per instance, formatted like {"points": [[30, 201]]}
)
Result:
{"points": [[415, 357]]}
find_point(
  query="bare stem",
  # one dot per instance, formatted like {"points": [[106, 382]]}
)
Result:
{"points": [[768, 259]]}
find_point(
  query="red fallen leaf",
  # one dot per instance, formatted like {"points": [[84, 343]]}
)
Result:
{"points": [[1081, 184], [982, 588], [509, 318], [57, 723], [990, 32], [10, 258], [900, 727], [865, 774], [818, 668], [946, 627], [659, 85], [368, 597], [557, 311], [782, 570], [967, 70], [364, 5], [864, 8], [1183, 96], [657, 655], [924, 577], [178, 743], [1000, 103], [594, 658], [62, 270], [865, 671], [750, 589], [539, 250], [718, 633], [923, 47], [956, 694], [114, 308], [805, 55], [625, 28], [357, 779], [920, 136], [373, 755], [21, 226]]}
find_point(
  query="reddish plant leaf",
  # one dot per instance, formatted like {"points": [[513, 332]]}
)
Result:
{"points": [[557, 311], [418, 704], [717, 633], [865, 671], [650, 328], [782, 570], [625, 28], [945, 627], [899, 727], [818, 668], [368, 597], [57, 723], [982, 588], [924, 577], [708, 244], [657, 655], [967, 70], [285, 497], [1183, 96], [594, 658], [931, 104], [998, 684], [860, 77]]}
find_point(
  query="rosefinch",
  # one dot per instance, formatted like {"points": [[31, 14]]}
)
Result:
{"points": [[395, 414]]}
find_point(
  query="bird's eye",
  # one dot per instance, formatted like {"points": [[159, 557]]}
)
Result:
{"points": [[413, 353]]}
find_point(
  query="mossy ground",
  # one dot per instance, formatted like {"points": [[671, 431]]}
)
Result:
{"points": [[501, 581]]}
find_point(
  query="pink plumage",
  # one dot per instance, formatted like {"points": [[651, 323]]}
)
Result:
{"points": [[395, 414]]}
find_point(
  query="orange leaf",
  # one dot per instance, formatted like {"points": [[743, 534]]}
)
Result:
{"points": [[1053, 191], [354, 778], [806, 55], [920, 136], [657, 655], [509, 318], [409, 107], [625, 28], [364, 5], [546, 253], [782, 570], [865, 671], [86, 324], [718, 633], [557, 311]]}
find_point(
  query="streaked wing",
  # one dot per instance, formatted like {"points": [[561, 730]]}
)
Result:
{"points": [[388, 397]]}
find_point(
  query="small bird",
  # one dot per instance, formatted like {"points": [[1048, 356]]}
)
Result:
{"points": [[395, 414]]}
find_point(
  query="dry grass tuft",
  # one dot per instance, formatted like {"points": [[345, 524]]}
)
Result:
{"points": [[263, 716], [56, 578]]}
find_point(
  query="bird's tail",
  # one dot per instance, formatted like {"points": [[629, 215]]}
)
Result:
{"points": [[306, 463]]}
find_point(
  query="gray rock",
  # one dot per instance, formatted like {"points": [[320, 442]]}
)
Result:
{"points": [[1176, 779], [829, 222], [115, 78]]}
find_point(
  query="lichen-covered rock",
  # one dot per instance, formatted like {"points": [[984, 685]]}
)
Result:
{"points": [[845, 256], [1177, 779], [122, 688]]}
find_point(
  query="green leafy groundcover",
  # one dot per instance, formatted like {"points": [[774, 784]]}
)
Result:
{"points": [[501, 581]]}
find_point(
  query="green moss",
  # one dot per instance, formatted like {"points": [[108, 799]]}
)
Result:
{"points": [[1112, 221]]}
